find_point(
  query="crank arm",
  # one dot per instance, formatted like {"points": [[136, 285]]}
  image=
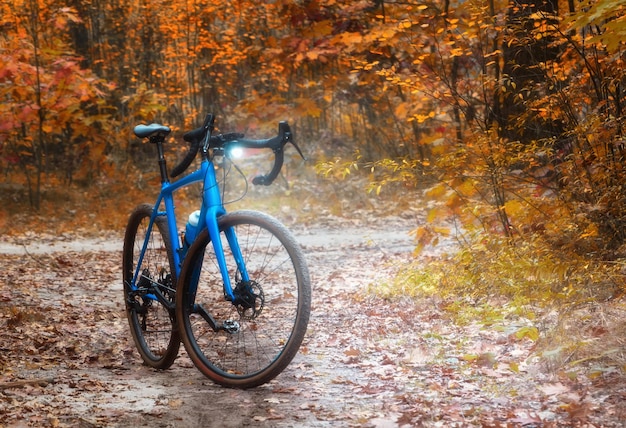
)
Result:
{"points": [[228, 326]]}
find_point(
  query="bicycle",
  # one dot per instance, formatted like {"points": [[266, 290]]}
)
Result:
{"points": [[234, 289]]}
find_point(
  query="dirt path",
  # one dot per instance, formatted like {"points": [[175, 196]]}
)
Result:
{"points": [[67, 359]]}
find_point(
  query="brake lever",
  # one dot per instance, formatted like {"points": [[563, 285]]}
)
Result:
{"points": [[297, 148], [288, 138], [208, 127]]}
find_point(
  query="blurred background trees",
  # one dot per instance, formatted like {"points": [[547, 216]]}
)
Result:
{"points": [[509, 114]]}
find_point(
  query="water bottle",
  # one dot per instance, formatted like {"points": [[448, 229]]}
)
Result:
{"points": [[191, 229]]}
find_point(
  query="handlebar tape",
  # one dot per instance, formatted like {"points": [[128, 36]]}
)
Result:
{"points": [[195, 138], [276, 144], [198, 135], [268, 179], [189, 157]]}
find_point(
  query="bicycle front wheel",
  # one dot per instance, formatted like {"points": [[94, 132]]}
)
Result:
{"points": [[150, 299], [248, 342]]}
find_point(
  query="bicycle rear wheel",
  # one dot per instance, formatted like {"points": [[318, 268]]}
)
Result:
{"points": [[152, 321], [247, 344]]}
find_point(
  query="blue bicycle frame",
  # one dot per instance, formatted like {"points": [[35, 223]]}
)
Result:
{"points": [[212, 209]]}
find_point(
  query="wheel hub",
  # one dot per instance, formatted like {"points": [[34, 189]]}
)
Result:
{"points": [[249, 299]]}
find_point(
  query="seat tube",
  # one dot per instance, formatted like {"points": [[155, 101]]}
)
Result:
{"points": [[172, 228], [144, 246], [139, 264]]}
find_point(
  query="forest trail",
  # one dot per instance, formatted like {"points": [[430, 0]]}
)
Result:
{"points": [[67, 357]]}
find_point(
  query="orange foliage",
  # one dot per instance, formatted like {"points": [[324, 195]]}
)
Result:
{"points": [[484, 96]]}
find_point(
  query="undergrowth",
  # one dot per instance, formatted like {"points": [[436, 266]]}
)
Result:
{"points": [[298, 197], [104, 206], [572, 307]]}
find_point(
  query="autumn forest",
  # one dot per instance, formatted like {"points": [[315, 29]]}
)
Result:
{"points": [[509, 115], [494, 129]]}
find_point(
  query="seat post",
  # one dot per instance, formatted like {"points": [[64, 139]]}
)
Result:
{"points": [[158, 140]]}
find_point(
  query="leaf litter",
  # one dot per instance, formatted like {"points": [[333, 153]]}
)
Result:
{"points": [[67, 358]]}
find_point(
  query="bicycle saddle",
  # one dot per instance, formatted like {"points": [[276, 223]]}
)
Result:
{"points": [[143, 131]]}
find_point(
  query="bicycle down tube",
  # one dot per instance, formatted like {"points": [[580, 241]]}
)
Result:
{"points": [[212, 209]]}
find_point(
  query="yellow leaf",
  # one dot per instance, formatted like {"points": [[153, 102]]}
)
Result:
{"points": [[401, 110], [527, 332], [436, 213], [437, 191], [590, 231], [514, 207], [444, 231], [466, 188]]}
